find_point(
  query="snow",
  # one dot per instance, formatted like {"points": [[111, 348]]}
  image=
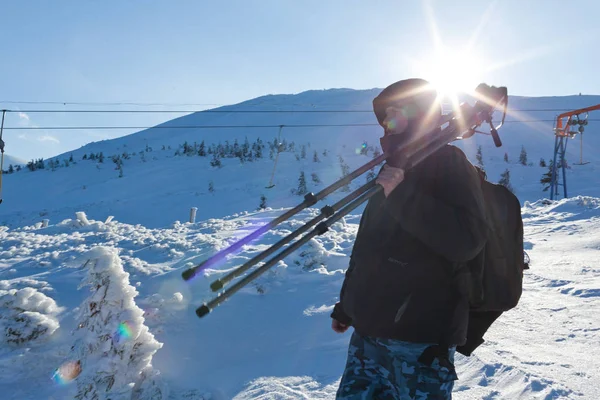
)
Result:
{"points": [[273, 338]]}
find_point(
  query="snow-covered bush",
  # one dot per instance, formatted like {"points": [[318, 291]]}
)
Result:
{"points": [[113, 344], [313, 254], [27, 316]]}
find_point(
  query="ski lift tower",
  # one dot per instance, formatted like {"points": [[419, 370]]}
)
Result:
{"points": [[562, 133]]}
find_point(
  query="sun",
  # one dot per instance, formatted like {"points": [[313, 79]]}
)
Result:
{"points": [[451, 72]]}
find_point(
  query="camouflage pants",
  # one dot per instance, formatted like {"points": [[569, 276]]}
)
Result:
{"points": [[389, 369]]}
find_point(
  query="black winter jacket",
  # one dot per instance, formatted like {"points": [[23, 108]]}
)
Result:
{"points": [[403, 282]]}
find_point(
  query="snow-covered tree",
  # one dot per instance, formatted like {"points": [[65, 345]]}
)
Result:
{"points": [[301, 190], [345, 171], [505, 157], [263, 202], [505, 180], [523, 156], [316, 157], [315, 178], [113, 345], [313, 254], [371, 175], [27, 316], [547, 177], [479, 157], [216, 161]]}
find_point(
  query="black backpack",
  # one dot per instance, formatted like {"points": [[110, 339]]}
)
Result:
{"points": [[495, 276]]}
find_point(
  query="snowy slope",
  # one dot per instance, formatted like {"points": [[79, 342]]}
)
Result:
{"points": [[272, 339], [150, 187], [12, 160]]}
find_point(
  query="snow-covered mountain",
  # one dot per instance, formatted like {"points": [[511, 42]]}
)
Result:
{"points": [[272, 339], [12, 160], [158, 187]]}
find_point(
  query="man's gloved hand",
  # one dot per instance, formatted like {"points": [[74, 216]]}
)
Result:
{"points": [[338, 327], [389, 178]]}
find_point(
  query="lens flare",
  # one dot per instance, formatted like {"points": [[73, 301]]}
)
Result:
{"points": [[67, 372], [362, 149], [124, 332]]}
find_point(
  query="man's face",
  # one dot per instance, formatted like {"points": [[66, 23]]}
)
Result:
{"points": [[395, 121], [399, 117]]}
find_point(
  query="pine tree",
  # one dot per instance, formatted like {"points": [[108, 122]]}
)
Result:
{"points": [[303, 152], [10, 169], [263, 202], [101, 157], [316, 157], [301, 190], [505, 180], [506, 157], [547, 177], [28, 317], [370, 175], [315, 178], [113, 345], [542, 162], [84, 157], [258, 151], [345, 171], [211, 187], [71, 158], [18, 168], [246, 147], [325, 153], [479, 157], [216, 161], [120, 168], [523, 156]]}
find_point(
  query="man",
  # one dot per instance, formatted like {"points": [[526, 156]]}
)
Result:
{"points": [[402, 292]]}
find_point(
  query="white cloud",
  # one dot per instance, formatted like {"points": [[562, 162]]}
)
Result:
{"points": [[48, 138], [24, 116]]}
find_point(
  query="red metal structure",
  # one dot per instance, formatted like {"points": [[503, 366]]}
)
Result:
{"points": [[562, 133]]}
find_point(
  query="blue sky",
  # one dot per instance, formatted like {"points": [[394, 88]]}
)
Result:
{"points": [[213, 53]]}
